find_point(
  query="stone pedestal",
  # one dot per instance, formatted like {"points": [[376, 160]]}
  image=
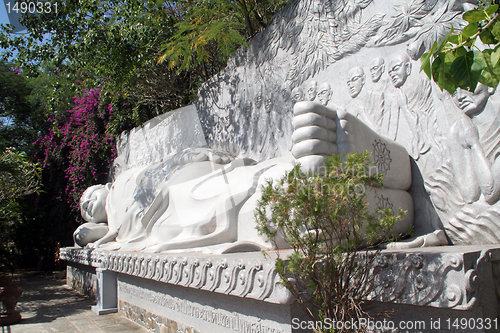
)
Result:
{"points": [[194, 292], [106, 291], [9, 294]]}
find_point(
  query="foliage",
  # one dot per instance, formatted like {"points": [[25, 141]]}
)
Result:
{"points": [[78, 140], [33, 225], [101, 39], [213, 29], [115, 46], [108, 45], [18, 177], [17, 112], [459, 60], [326, 220], [106, 53]]}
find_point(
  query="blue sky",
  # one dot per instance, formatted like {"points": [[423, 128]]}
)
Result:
{"points": [[3, 14], [4, 19]]}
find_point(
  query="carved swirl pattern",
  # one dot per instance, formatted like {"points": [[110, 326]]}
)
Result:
{"points": [[250, 278], [430, 279], [419, 279]]}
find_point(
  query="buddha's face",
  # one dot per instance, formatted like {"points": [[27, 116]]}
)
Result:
{"points": [[93, 204]]}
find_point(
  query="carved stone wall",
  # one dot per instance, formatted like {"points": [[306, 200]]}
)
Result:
{"points": [[158, 139], [249, 277], [322, 41], [364, 57], [82, 278], [444, 277], [443, 280]]}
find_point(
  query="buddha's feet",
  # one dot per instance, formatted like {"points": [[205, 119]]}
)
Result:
{"points": [[321, 131]]}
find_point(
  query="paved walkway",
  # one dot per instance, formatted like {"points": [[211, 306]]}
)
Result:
{"points": [[48, 305]]}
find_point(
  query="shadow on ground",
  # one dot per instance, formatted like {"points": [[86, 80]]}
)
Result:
{"points": [[48, 305], [46, 298]]}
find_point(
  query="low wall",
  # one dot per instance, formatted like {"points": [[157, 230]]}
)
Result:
{"points": [[193, 292]]}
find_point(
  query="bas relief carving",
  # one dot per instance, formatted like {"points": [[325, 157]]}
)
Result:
{"points": [[465, 188], [325, 77], [453, 280]]}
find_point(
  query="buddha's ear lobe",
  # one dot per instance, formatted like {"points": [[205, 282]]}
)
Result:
{"points": [[108, 186]]}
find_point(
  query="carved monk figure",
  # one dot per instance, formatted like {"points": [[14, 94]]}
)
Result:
{"points": [[467, 187], [356, 81], [474, 146], [258, 99], [324, 93], [377, 68], [415, 102], [247, 109], [366, 105], [399, 70], [297, 95], [312, 90]]}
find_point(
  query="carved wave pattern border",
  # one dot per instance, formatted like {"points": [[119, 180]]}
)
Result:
{"points": [[432, 279], [249, 278]]}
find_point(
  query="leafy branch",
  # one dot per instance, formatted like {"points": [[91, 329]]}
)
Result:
{"points": [[18, 176], [212, 30], [458, 62], [327, 222]]}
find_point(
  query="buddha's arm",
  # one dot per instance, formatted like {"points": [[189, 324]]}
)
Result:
{"points": [[109, 237]]}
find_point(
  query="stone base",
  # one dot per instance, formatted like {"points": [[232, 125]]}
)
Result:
{"points": [[101, 311], [193, 292], [171, 308], [81, 278]]}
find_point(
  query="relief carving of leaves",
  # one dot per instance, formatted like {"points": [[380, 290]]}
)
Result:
{"points": [[323, 49], [438, 26], [409, 16]]}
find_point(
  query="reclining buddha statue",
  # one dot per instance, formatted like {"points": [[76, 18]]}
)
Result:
{"points": [[190, 180], [204, 199]]}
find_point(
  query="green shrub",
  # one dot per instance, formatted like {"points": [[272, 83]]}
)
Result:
{"points": [[325, 218], [18, 177]]}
